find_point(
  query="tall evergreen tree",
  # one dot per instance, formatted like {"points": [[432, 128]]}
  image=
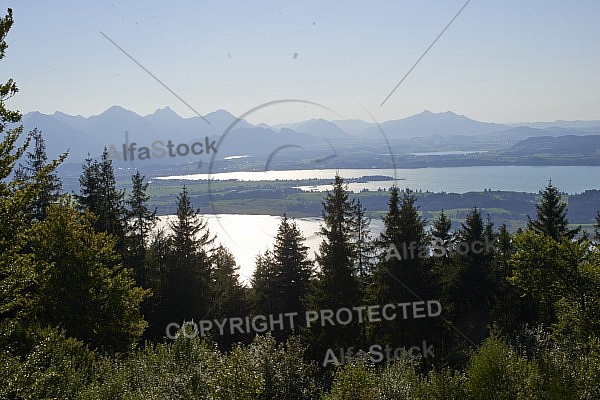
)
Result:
{"points": [[157, 262], [597, 227], [140, 222], [364, 247], [551, 216], [99, 195], [469, 296], [265, 290], [400, 275], [336, 284], [229, 295], [36, 160], [188, 294], [440, 231], [281, 280], [293, 268]]}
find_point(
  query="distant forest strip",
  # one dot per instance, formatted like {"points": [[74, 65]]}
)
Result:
{"points": [[279, 197]]}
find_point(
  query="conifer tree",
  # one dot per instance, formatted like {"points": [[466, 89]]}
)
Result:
{"points": [[400, 275], [228, 294], [265, 291], [294, 269], [469, 285], [140, 222], [18, 275], [440, 230], [551, 216], [100, 196], [188, 293], [364, 247], [36, 160], [597, 227], [336, 283]]}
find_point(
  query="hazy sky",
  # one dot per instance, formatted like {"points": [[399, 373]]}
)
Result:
{"points": [[500, 61]]}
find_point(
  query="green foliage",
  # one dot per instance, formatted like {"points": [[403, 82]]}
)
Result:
{"points": [[189, 271], [356, 380], [281, 280], [54, 367], [36, 163], [563, 276], [551, 217], [100, 196], [336, 284], [81, 286], [140, 222], [496, 371]]}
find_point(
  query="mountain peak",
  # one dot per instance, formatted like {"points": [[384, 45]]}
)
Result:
{"points": [[116, 110]]}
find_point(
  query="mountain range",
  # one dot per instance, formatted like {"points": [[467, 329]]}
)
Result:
{"points": [[233, 137]]}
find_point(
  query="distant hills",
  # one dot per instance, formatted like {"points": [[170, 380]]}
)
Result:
{"points": [[309, 140]]}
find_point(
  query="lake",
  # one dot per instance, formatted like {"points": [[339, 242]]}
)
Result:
{"points": [[570, 179]]}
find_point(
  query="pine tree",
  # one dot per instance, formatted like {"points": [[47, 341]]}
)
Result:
{"points": [[551, 217], [36, 161], [597, 227], [141, 221], [189, 271], [157, 262]]}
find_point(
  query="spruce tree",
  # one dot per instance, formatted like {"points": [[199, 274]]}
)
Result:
{"points": [[364, 247], [597, 227], [469, 286], [293, 269], [228, 294], [140, 222], [551, 216], [440, 229], [264, 293], [190, 269], [100, 196], [400, 274], [336, 284], [36, 161]]}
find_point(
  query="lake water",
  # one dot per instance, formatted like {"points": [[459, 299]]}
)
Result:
{"points": [[570, 179]]}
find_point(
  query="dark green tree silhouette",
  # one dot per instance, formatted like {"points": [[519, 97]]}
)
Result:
{"points": [[468, 292], [100, 196], [336, 284], [35, 163], [189, 274], [551, 216], [400, 275], [140, 223], [229, 296], [597, 227]]}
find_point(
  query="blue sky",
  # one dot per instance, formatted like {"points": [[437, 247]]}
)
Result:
{"points": [[500, 61]]}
